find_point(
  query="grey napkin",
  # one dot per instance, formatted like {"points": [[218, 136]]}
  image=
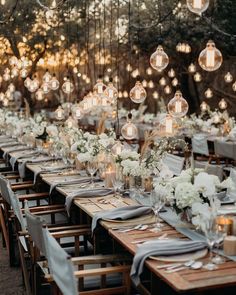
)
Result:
{"points": [[48, 171], [122, 213], [7, 144], [22, 165], [82, 193], [15, 149], [68, 182], [21, 156], [161, 247]]}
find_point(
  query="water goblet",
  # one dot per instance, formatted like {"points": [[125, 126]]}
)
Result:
{"points": [[157, 201], [92, 168]]}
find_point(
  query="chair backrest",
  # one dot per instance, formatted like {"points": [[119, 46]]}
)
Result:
{"points": [[4, 190], [210, 169], [60, 265], [34, 226], [174, 163], [200, 144], [232, 191]]}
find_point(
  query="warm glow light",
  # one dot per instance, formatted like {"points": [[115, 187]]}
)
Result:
{"points": [[228, 77], [204, 106], [138, 93], [197, 6], [208, 93], [223, 104], [210, 59], [178, 106], [159, 60]]}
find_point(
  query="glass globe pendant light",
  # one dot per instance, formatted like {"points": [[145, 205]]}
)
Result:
{"points": [[228, 77], [208, 93], [178, 106], [223, 104], [117, 148], [192, 68], [166, 126], [96, 99], [67, 86], [47, 77], [111, 92], [171, 73], [77, 112], [159, 60], [45, 87], [12, 87], [175, 82], [59, 113], [197, 6], [204, 106], [39, 94], [210, 59], [27, 82], [138, 93], [162, 81], [129, 131], [99, 87], [23, 73], [197, 77], [54, 83], [70, 122]]}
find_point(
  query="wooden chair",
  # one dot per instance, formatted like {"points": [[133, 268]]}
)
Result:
{"points": [[63, 276]]}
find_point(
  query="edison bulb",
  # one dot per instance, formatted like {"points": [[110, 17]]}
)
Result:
{"points": [[27, 82], [120, 94], [197, 77], [166, 126], [144, 83], [67, 87], [129, 131], [234, 86], [216, 119], [178, 106], [129, 68], [2, 96], [155, 95], [23, 73], [167, 89], [223, 104], [47, 77], [14, 72], [151, 84], [138, 93], [192, 68], [59, 113], [6, 76], [197, 6], [149, 71], [175, 82], [54, 83], [208, 93], [13, 61], [78, 112], [162, 81], [159, 60], [171, 73], [117, 148], [111, 92], [99, 87], [45, 87], [95, 99], [228, 77], [39, 94], [70, 122], [12, 87], [204, 106], [126, 94], [210, 59]]}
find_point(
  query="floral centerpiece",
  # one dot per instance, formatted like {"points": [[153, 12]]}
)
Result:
{"points": [[190, 187]]}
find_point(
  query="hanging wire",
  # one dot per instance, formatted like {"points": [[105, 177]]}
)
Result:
{"points": [[118, 71], [129, 45], [104, 30], [94, 40]]}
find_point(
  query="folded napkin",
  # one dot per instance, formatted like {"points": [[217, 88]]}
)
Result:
{"points": [[21, 166], [8, 143], [68, 182], [22, 156], [161, 247], [15, 149], [122, 213], [49, 170], [83, 193]]}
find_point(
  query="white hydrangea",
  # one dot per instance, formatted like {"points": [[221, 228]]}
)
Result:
{"points": [[185, 195]]}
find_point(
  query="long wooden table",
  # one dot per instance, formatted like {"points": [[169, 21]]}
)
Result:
{"points": [[185, 282]]}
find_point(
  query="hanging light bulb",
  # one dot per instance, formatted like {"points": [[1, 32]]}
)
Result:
{"points": [[175, 82], [46, 87], [234, 86], [2, 96], [210, 59], [27, 82], [204, 106], [159, 60], [70, 122], [13, 61], [197, 6], [117, 148], [216, 119], [192, 68], [11, 87], [149, 71], [34, 85], [151, 84], [228, 77], [125, 94], [104, 100], [95, 98], [135, 73], [138, 93], [47, 77], [129, 131], [39, 94], [155, 95], [197, 77], [106, 78], [166, 125], [5, 102], [178, 106], [9, 95], [167, 89], [162, 81], [120, 94], [111, 92], [78, 112], [59, 113], [15, 72], [23, 73], [99, 87], [67, 86], [171, 73], [208, 93], [6, 76], [54, 83], [223, 104], [144, 83], [128, 68]]}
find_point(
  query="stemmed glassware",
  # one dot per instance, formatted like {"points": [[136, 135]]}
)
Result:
{"points": [[157, 202], [92, 168], [221, 234], [117, 183]]}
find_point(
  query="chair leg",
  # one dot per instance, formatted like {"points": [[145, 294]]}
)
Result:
{"points": [[24, 269], [4, 229]]}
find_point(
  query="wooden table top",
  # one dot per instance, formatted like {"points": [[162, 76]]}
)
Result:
{"points": [[182, 281]]}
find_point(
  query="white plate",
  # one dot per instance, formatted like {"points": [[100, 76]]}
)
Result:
{"points": [[182, 257]]}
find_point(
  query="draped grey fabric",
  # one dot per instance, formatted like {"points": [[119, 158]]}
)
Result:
{"points": [[122, 213], [60, 265], [161, 247]]}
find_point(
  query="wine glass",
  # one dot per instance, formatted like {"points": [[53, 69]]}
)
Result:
{"points": [[157, 202], [211, 234], [221, 234], [92, 168], [117, 183]]}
